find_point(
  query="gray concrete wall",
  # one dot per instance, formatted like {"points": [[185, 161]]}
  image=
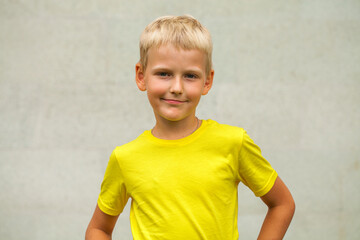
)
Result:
{"points": [[286, 71]]}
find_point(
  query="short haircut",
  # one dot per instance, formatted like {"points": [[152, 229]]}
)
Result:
{"points": [[181, 31]]}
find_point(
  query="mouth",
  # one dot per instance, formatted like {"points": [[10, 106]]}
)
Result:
{"points": [[173, 101]]}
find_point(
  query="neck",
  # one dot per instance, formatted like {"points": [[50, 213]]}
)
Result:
{"points": [[172, 130]]}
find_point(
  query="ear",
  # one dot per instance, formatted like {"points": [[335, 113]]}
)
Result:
{"points": [[140, 77], [208, 82]]}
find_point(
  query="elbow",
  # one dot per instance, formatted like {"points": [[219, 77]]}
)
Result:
{"points": [[88, 233], [292, 206]]}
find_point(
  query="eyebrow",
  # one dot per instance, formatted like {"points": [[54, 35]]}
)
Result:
{"points": [[163, 68]]}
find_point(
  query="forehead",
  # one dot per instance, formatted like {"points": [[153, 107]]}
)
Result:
{"points": [[172, 55]]}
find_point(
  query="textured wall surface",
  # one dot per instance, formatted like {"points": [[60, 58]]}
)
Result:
{"points": [[286, 71]]}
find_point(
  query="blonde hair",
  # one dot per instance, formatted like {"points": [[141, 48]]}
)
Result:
{"points": [[181, 31]]}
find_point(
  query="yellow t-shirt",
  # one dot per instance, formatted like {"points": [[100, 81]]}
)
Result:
{"points": [[185, 188]]}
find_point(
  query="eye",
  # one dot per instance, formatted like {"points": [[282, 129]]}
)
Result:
{"points": [[163, 74], [191, 76]]}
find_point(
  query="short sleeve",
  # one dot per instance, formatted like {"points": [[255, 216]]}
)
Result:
{"points": [[254, 170], [113, 196]]}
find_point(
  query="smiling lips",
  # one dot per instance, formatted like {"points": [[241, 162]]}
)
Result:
{"points": [[173, 101]]}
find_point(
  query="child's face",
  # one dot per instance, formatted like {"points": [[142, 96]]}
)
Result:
{"points": [[174, 80]]}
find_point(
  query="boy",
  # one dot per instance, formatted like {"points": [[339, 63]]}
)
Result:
{"points": [[182, 175]]}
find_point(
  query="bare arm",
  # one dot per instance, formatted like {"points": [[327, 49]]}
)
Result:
{"points": [[281, 210], [101, 226]]}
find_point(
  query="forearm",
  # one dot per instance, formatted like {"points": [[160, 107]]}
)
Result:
{"points": [[96, 234], [276, 222]]}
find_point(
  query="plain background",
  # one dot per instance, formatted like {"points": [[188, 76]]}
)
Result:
{"points": [[286, 71]]}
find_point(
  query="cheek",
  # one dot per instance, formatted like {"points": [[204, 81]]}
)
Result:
{"points": [[195, 91], [154, 87], [156, 90]]}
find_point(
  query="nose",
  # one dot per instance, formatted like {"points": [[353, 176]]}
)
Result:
{"points": [[176, 86]]}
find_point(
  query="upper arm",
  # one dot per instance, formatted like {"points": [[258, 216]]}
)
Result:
{"points": [[102, 221], [279, 195]]}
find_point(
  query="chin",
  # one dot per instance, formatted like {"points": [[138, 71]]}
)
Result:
{"points": [[174, 115], [173, 118]]}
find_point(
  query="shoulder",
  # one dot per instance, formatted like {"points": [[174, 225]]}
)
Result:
{"points": [[225, 134], [224, 130], [130, 147]]}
